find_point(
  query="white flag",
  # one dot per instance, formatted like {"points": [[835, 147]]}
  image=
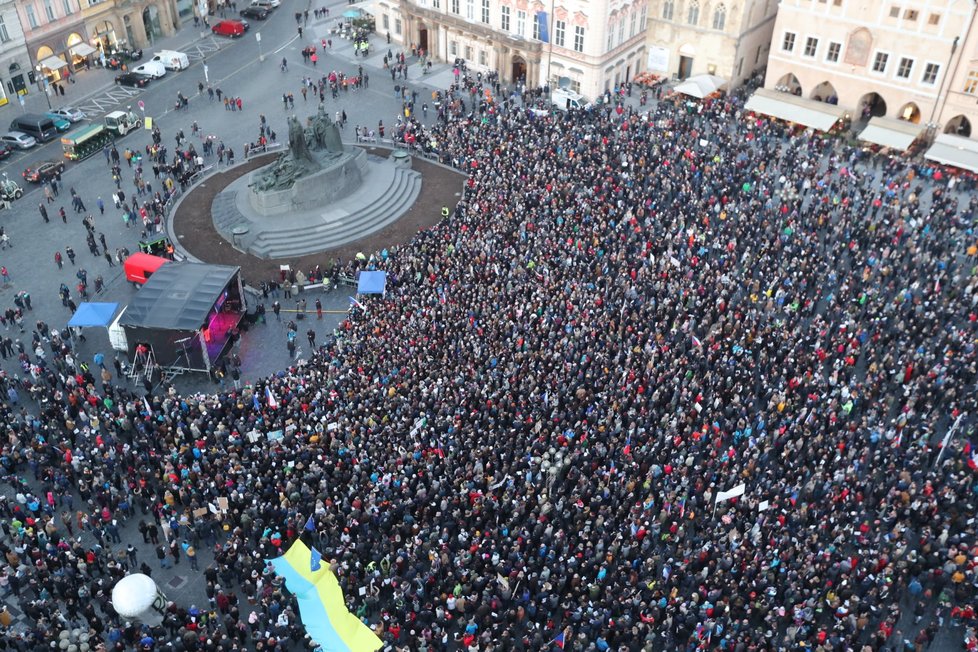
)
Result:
{"points": [[733, 493]]}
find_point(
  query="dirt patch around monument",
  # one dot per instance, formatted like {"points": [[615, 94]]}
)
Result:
{"points": [[194, 229]]}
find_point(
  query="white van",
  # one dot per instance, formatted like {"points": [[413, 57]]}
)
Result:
{"points": [[172, 59], [154, 69], [565, 100]]}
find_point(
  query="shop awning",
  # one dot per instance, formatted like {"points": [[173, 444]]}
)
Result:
{"points": [[898, 134], [53, 63], [817, 115], [82, 50], [700, 86], [954, 150]]}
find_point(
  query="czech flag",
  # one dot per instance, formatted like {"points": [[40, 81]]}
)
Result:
{"points": [[270, 396]]}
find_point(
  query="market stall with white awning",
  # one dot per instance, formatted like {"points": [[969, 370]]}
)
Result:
{"points": [[955, 151], [898, 134], [817, 115], [53, 63], [699, 86]]}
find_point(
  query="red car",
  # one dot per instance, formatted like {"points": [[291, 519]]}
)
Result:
{"points": [[232, 28], [44, 171]]}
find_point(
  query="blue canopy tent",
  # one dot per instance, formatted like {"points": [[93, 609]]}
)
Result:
{"points": [[93, 314], [372, 283]]}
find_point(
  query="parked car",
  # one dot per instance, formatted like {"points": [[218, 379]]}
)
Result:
{"points": [[61, 124], [18, 140], [232, 28], [267, 4], [5, 150], [69, 113], [133, 79], [154, 69], [258, 13], [43, 171]]}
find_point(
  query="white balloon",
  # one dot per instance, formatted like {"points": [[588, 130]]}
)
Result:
{"points": [[137, 596]]}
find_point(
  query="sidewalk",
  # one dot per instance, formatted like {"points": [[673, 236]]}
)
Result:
{"points": [[91, 82]]}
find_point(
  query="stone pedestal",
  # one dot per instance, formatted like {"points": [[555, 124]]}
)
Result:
{"points": [[340, 177]]}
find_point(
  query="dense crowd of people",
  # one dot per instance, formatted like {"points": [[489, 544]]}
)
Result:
{"points": [[524, 441]]}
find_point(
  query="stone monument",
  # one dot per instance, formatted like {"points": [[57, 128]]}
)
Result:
{"points": [[316, 169], [317, 196]]}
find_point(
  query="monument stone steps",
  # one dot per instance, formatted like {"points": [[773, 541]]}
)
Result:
{"points": [[301, 239], [367, 214]]}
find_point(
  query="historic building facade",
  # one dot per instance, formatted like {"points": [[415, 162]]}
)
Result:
{"points": [[729, 39], [589, 46], [891, 58]]}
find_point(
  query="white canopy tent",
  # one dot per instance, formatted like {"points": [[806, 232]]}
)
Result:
{"points": [[817, 115], [898, 134], [954, 150], [699, 86]]}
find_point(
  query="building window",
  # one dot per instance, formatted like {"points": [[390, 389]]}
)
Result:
{"points": [[470, 9], [483, 58], [903, 70], [643, 21], [894, 12], [67, 5], [836, 3], [720, 17], [693, 15], [578, 38], [835, 49], [520, 22], [788, 44], [631, 24], [454, 7], [740, 66], [49, 10], [559, 28], [485, 11], [910, 14], [387, 22], [453, 48], [621, 32], [668, 9], [971, 83], [504, 23], [935, 19], [397, 25], [468, 53], [4, 36], [31, 16], [536, 28], [811, 46], [879, 63], [611, 37], [930, 73]]}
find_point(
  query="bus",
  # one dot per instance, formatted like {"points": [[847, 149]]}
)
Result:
{"points": [[85, 142]]}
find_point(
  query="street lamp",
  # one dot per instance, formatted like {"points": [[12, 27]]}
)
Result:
{"points": [[44, 84]]}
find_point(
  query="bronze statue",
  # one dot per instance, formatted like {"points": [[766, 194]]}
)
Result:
{"points": [[307, 147], [297, 141]]}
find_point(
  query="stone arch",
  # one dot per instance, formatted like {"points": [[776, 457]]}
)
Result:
{"points": [[959, 125], [870, 105], [910, 112], [825, 92], [789, 84]]}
